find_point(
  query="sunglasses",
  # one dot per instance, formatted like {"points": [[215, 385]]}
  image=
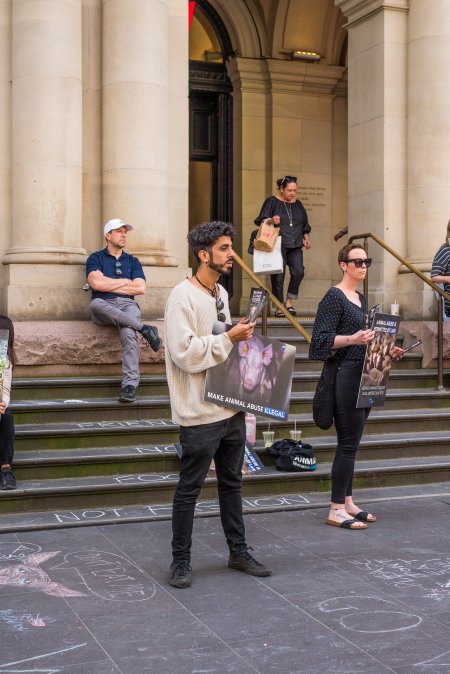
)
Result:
{"points": [[359, 262], [288, 179], [118, 268], [219, 306]]}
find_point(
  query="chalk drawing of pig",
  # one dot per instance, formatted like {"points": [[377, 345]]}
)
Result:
{"points": [[29, 574]]}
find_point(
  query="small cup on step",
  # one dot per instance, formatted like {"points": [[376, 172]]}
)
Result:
{"points": [[268, 437]]}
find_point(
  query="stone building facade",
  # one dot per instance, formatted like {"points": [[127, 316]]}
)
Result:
{"points": [[100, 111]]}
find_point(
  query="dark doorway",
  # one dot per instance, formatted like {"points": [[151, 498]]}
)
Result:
{"points": [[210, 135], [210, 146]]}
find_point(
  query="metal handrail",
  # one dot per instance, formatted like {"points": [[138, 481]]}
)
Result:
{"points": [[298, 326], [441, 293], [401, 259]]}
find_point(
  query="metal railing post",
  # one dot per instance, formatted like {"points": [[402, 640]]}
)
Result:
{"points": [[366, 278], [264, 314]]}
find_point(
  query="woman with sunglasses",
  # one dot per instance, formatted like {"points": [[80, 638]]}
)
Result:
{"points": [[340, 332], [289, 214], [7, 479]]}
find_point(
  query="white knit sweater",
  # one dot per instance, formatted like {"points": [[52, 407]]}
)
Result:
{"points": [[190, 350]]}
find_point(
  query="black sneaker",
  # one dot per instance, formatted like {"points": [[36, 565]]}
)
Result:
{"points": [[243, 561], [7, 480], [150, 334], [127, 394], [180, 574]]}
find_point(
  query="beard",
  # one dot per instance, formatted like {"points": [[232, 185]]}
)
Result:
{"points": [[220, 269]]}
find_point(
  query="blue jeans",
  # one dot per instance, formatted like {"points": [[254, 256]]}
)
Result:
{"points": [[349, 422], [223, 441]]}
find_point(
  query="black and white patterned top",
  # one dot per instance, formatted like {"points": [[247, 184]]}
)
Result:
{"points": [[337, 315], [441, 267]]}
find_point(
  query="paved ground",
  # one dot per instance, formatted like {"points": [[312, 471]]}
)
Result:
{"points": [[94, 600]]}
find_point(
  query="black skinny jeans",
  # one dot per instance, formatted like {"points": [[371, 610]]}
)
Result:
{"points": [[293, 258], [6, 438], [349, 422], [224, 442]]}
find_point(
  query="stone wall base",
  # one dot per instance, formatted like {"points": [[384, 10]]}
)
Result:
{"points": [[76, 348], [427, 332]]}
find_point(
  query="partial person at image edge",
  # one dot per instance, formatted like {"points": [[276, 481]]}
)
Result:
{"points": [[207, 431], [115, 277], [440, 269], [7, 432]]}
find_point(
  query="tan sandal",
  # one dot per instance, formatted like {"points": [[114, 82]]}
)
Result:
{"points": [[347, 524], [364, 516]]}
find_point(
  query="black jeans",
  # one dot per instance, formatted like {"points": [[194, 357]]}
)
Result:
{"points": [[6, 437], [293, 258], [349, 422], [224, 442]]}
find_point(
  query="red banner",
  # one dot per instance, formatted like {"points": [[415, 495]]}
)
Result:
{"points": [[191, 11]]}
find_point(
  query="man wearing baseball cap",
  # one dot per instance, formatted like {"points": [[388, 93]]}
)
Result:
{"points": [[115, 278]]}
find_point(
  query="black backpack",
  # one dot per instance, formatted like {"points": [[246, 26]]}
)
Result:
{"points": [[292, 456]]}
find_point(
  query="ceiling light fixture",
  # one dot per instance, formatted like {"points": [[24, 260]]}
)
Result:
{"points": [[301, 55]]}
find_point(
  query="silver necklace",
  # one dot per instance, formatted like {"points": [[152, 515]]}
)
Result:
{"points": [[289, 212]]}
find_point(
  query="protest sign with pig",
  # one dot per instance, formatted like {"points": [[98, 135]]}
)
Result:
{"points": [[256, 377]]}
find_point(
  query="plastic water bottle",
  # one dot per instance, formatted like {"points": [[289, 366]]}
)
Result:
{"points": [[250, 428]]}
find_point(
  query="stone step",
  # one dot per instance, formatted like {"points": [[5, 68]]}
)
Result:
{"points": [[96, 492], [86, 388], [76, 517], [81, 388], [163, 431], [106, 409], [158, 407], [82, 462], [24, 388], [95, 433]]}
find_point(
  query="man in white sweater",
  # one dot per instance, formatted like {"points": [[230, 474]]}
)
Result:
{"points": [[207, 431]]}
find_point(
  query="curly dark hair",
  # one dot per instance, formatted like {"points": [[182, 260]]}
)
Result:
{"points": [[7, 324], [205, 235]]}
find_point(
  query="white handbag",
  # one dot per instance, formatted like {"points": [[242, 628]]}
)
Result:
{"points": [[269, 263]]}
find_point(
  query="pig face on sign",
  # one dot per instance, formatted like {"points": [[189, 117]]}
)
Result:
{"points": [[254, 359]]}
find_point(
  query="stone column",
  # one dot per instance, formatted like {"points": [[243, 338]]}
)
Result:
{"points": [[251, 152], [428, 129], [135, 104], [46, 76], [178, 181], [377, 98], [5, 126], [428, 147], [92, 124]]}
